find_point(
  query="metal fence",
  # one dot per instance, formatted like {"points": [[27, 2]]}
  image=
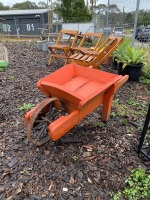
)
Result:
{"points": [[131, 15]]}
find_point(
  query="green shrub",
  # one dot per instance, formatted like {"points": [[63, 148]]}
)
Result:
{"points": [[137, 186]]}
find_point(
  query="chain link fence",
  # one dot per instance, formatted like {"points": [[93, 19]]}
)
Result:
{"points": [[133, 16]]}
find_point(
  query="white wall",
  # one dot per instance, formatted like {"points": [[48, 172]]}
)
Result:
{"points": [[81, 27]]}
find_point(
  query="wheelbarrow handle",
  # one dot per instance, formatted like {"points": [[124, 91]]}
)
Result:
{"points": [[120, 82]]}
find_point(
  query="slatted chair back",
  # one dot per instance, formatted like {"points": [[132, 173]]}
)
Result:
{"points": [[61, 49], [94, 37], [96, 58], [67, 37]]}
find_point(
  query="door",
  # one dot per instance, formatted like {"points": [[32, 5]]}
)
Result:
{"points": [[9, 27]]}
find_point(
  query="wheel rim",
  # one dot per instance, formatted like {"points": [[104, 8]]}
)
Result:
{"points": [[37, 128]]}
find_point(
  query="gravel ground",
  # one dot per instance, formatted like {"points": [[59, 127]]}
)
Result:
{"points": [[88, 170]]}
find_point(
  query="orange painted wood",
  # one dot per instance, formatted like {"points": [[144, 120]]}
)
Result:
{"points": [[62, 92], [28, 114], [83, 90], [62, 125], [77, 83]]}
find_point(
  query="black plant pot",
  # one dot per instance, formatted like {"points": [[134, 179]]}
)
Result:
{"points": [[134, 71], [114, 65]]}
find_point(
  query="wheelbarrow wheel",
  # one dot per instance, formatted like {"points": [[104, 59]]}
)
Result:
{"points": [[42, 116]]}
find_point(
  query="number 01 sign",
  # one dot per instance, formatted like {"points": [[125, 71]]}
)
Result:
{"points": [[30, 27]]}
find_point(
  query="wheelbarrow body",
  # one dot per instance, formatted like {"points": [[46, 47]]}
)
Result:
{"points": [[81, 90]]}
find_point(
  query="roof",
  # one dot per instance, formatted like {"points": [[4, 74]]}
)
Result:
{"points": [[22, 12]]}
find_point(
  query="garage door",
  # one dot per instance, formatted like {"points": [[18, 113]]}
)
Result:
{"points": [[9, 27]]}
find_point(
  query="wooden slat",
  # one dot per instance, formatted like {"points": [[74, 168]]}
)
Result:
{"points": [[86, 51], [73, 56], [79, 56], [84, 57], [60, 47], [90, 58], [58, 55]]}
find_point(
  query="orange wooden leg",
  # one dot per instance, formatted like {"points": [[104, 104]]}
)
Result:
{"points": [[107, 104], [108, 98], [62, 125]]}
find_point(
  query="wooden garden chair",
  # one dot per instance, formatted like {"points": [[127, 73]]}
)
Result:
{"points": [[93, 37], [95, 58], [62, 46]]}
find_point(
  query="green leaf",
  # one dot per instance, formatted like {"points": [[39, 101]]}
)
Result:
{"points": [[26, 106]]}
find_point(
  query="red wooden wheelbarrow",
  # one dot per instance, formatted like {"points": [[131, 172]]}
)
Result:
{"points": [[72, 92]]}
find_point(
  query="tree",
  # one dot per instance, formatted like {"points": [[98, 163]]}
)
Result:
{"points": [[113, 8], [144, 17], [25, 5], [80, 11], [73, 11], [93, 3], [115, 15], [129, 19], [2, 7], [42, 4]]}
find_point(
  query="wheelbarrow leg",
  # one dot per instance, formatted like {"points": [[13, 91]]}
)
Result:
{"points": [[108, 97], [107, 104]]}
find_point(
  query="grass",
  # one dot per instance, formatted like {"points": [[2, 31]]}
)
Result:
{"points": [[132, 109], [128, 31], [136, 186], [1, 69], [15, 39], [11, 78]]}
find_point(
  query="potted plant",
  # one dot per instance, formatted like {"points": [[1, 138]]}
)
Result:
{"points": [[119, 52], [130, 61]]}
